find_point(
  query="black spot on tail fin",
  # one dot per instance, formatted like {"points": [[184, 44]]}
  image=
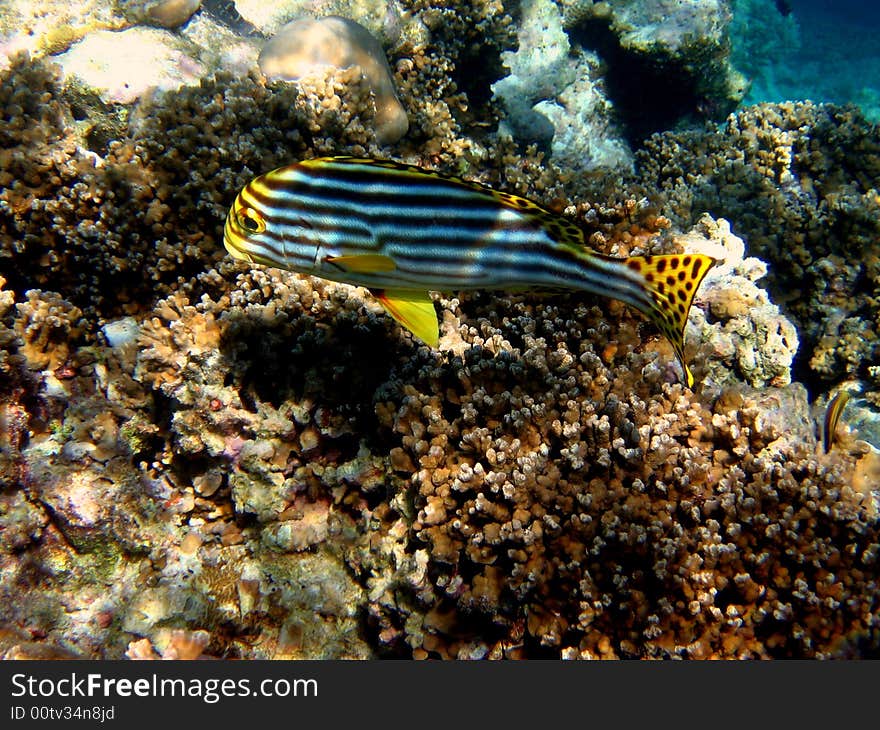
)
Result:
{"points": [[672, 280]]}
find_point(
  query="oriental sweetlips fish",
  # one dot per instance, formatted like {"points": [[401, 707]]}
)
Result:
{"points": [[402, 231], [832, 417]]}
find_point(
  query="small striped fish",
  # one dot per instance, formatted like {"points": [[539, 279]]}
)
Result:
{"points": [[402, 231], [833, 412]]}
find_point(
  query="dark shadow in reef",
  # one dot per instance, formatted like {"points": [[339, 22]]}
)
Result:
{"points": [[478, 68], [649, 93], [336, 365]]}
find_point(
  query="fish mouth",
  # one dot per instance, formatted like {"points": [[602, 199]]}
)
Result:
{"points": [[233, 241]]}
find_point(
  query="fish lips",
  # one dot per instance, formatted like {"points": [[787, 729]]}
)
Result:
{"points": [[232, 241]]}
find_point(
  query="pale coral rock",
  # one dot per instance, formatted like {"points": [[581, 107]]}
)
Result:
{"points": [[866, 480], [218, 46], [21, 522], [315, 585], [552, 98], [162, 13], [539, 69], [586, 135], [783, 418], [51, 26], [746, 336], [122, 66], [307, 46], [259, 494], [673, 24], [151, 606]]}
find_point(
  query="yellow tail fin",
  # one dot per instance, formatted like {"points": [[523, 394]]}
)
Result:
{"points": [[672, 280]]}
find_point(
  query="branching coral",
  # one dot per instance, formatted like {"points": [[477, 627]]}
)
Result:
{"points": [[590, 524], [111, 229], [48, 328], [471, 41], [538, 488]]}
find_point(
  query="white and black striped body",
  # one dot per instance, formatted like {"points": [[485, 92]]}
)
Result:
{"points": [[397, 228], [443, 235]]}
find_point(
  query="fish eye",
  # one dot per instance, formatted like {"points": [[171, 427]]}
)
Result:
{"points": [[251, 220]]}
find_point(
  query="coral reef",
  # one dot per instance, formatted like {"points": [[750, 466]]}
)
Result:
{"points": [[469, 45], [586, 77], [554, 98], [539, 69], [622, 527], [801, 182], [203, 459], [750, 340], [499, 498], [667, 59], [111, 225]]}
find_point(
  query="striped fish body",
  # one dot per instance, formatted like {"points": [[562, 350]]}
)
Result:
{"points": [[402, 231], [439, 232]]}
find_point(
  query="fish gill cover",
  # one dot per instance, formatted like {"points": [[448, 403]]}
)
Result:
{"points": [[199, 456]]}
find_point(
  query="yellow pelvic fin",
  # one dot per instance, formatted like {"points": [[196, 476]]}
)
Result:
{"points": [[413, 310], [367, 263], [672, 281]]}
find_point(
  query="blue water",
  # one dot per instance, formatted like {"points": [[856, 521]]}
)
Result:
{"points": [[824, 50]]}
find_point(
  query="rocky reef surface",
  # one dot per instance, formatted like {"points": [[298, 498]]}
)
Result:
{"points": [[201, 458]]}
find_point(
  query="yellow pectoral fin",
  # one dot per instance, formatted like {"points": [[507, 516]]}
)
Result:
{"points": [[413, 310], [367, 263]]}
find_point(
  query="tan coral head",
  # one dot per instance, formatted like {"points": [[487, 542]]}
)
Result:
{"points": [[307, 47]]}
